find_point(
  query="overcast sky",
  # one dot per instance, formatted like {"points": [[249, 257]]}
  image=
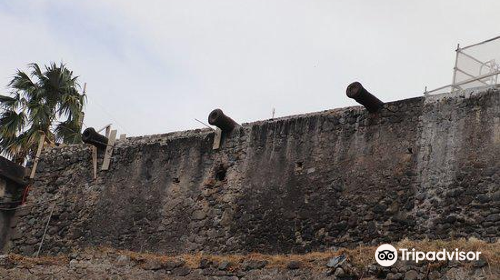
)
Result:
{"points": [[153, 66]]}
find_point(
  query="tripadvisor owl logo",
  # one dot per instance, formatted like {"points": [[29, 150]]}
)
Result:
{"points": [[386, 255]]}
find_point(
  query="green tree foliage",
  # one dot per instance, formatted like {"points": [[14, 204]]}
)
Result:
{"points": [[40, 102]]}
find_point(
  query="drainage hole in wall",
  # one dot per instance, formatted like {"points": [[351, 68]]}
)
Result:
{"points": [[299, 165], [220, 175]]}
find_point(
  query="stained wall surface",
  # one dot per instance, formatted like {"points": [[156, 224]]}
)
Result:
{"points": [[420, 168]]}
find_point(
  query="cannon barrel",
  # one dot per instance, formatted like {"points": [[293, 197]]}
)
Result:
{"points": [[13, 172], [90, 136], [219, 119], [357, 92]]}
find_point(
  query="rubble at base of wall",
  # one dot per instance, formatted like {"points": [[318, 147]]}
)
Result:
{"points": [[128, 265]]}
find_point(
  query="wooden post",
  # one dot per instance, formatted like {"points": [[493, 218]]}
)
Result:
{"points": [[108, 126], [217, 139], [80, 120], [37, 156], [109, 150], [94, 161]]}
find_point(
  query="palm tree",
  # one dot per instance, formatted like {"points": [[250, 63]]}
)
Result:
{"points": [[41, 103]]}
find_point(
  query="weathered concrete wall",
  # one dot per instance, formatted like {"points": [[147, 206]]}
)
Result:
{"points": [[422, 167]]}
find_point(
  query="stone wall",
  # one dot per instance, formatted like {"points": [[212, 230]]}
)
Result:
{"points": [[420, 168]]}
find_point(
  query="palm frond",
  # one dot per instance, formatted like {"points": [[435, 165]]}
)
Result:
{"points": [[39, 113], [10, 103], [11, 123], [68, 132], [22, 83], [36, 71], [9, 146], [36, 103]]}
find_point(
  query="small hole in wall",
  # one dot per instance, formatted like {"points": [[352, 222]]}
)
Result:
{"points": [[299, 165], [220, 174], [176, 180], [410, 150]]}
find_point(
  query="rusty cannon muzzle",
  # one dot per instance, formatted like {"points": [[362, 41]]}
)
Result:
{"points": [[90, 136], [357, 92], [219, 119]]}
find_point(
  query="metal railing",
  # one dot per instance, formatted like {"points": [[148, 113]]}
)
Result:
{"points": [[475, 65]]}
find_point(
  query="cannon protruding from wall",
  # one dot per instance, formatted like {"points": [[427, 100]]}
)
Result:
{"points": [[90, 136], [219, 119], [357, 92], [13, 172]]}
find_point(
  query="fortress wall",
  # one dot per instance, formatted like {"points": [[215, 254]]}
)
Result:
{"points": [[421, 168]]}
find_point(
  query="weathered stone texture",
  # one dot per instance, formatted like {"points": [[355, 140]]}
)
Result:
{"points": [[122, 266], [422, 167]]}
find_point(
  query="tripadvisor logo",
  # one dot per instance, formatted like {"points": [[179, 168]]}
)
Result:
{"points": [[387, 255]]}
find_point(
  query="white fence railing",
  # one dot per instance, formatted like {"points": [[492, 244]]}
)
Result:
{"points": [[475, 66]]}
